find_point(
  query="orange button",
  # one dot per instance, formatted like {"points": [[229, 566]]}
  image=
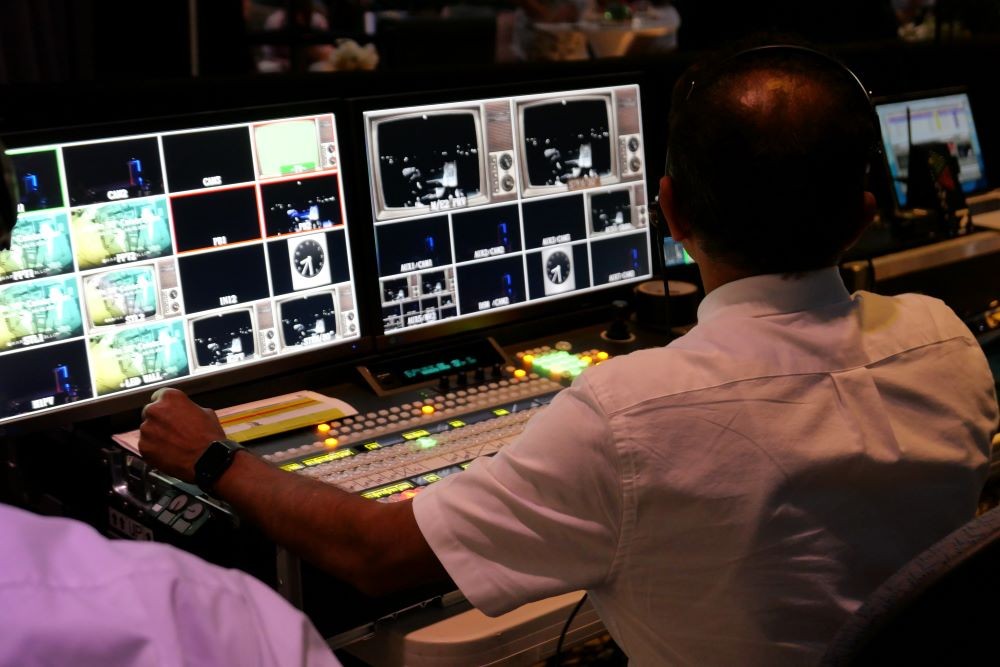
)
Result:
{"points": [[331, 442], [323, 428], [528, 359], [427, 409]]}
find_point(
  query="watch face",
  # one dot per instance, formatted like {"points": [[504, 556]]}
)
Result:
{"points": [[557, 266], [308, 257]]}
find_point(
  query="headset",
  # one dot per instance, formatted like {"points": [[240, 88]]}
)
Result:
{"points": [[704, 79]]}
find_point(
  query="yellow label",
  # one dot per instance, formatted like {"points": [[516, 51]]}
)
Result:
{"points": [[465, 466], [456, 423], [413, 435], [431, 478], [326, 458], [375, 494], [500, 412], [292, 467], [372, 445]]}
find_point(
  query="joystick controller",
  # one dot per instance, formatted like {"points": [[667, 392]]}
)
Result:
{"points": [[618, 330]]}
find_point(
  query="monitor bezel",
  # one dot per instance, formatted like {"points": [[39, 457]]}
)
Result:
{"points": [[199, 381]]}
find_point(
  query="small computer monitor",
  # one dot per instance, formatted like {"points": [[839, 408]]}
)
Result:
{"points": [[159, 252], [935, 117], [484, 207]]}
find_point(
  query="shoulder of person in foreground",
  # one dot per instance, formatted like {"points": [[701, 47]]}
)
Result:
{"points": [[71, 596]]}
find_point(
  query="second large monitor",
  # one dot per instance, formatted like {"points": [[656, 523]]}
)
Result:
{"points": [[490, 204]]}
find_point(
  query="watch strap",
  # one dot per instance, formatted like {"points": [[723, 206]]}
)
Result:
{"points": [[215, 461]]}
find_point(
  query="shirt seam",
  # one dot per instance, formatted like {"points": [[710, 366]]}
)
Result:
{"points": [[626, 488], [719, 385]]}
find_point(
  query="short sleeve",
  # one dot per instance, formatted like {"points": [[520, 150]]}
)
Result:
{"points": [[540, 518]]}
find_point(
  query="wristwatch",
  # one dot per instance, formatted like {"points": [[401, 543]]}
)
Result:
{"points": [[214, 461]]}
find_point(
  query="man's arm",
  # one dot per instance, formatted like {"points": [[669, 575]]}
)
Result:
{"points": [[377, 547]]}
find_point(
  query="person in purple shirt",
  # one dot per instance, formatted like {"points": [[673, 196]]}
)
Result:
{"points": [[69, 596]]}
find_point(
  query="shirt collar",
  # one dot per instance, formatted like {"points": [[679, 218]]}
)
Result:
{"points": [[774, 293]]}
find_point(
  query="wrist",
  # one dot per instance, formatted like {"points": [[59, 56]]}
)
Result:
{"points": [[214, 461]]}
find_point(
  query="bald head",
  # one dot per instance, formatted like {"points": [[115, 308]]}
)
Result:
{"points": [[768, 156]]}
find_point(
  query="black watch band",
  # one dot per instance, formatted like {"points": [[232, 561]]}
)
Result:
{"points": [[214, 461]]}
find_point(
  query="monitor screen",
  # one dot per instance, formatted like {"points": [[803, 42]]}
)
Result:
{"points": [[147, 259], [674, 253], [488, 205], [947, 119]]}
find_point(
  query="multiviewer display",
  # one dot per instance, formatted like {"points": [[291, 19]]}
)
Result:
{"points": [[490, 204], [140, 260], [947, 119]]}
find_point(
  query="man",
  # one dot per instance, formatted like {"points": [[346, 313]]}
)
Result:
{"points": [[730, 498], [69, 596]]}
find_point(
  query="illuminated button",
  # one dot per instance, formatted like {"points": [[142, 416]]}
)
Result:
{"points": [[586, 361], [425, 443], [520, 373], [601, 356], [427, 409], [331, 442], [323, 428], [528, 359]]}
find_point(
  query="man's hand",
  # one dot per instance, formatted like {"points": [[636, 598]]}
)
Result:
{"points": [[176, 431]]}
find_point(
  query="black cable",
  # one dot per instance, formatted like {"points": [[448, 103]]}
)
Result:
{"points": [[562, 635]]}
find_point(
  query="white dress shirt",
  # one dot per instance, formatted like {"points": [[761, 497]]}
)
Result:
{"points": [[68, 596], [731, 498]]}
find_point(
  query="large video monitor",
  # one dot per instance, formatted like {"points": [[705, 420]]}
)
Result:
{"points": [[488, 205], [927, 118], [146, 259]]}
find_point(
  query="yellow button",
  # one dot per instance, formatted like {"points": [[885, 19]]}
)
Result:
{"points": [[520, 373], [323, 428], [331, 442], [427, 409], [602, 356], [528, 359], [586, 361]]}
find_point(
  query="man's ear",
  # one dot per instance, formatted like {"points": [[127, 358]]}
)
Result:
{"points": [[679, 228], [869, 208]]}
